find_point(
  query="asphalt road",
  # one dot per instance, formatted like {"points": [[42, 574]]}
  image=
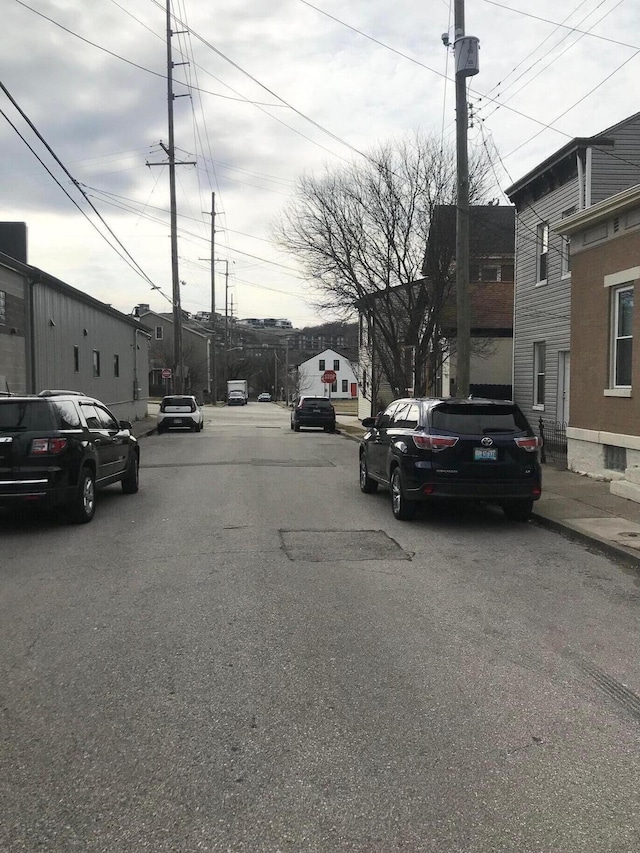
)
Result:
{"points": [[250, 655]]}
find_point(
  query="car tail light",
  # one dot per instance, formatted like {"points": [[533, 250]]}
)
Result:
{"points": [[42, 446], [434, 442], [530, 443]]}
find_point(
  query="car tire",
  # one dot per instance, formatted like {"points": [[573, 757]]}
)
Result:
{"points": [[131, 479], [83, 506], [159, 430], [296, 427], [367, 485], [402, 508], [518, 510]]}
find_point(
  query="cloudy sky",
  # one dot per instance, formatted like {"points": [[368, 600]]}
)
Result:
{"points": [[276, 88]]}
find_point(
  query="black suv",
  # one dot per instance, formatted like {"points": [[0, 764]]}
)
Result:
{"points": [[429, 449], [313, 412], [59, 447]]}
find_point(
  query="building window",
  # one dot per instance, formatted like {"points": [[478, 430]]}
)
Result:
{"points": [[159, 333], [345, 386], [76, 359], [622, 336], [96, 362], [480, 272], [336, 364], [334, 387], [542, 248], [615, 458], [116, 364], [3, 307], [539, 359], [321, 364]]}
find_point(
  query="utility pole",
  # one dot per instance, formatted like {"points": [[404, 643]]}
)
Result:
{"points": [[171, 158], [275, 373], [226, 315], [214, 360], [466, 65]]}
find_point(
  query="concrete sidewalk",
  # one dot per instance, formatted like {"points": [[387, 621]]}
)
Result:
{"points": [[572, 504]]}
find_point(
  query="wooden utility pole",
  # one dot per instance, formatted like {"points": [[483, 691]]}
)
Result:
{"points": [[214, 360], [463, 348], [170, 151]]}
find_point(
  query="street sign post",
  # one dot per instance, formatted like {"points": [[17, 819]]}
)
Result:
{"points": [[329, 377]]}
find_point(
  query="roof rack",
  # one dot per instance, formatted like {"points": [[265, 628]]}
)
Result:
{"points": [[59, 392]]}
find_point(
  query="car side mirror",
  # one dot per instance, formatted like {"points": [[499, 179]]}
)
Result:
{"points": [[125, 425], [369, 423]]}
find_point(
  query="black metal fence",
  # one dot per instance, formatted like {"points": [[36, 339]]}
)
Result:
{"points": [[554, 442]]}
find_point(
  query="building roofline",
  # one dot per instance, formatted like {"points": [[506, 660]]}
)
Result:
{"points": [[577, 144], [38, 276]]}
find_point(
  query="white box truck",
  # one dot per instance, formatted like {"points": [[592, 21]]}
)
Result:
{"points": [[237, 385]]}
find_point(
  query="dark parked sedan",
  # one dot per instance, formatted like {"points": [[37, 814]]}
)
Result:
{"points": [[430, 449], [313, 412]]}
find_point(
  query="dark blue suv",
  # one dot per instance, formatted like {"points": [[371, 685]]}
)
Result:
{"points": [[434, 448]]}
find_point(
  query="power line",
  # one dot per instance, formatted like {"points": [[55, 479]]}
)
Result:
{"points": [[136, 266]]}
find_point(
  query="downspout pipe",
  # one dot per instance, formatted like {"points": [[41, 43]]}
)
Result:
{"points": [[30, 348]]}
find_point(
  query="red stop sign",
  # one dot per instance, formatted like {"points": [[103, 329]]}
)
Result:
{"points": [[328, 377]]}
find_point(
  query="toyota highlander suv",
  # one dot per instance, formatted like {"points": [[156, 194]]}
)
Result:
{"points": [[59, 447], [433, 449]]}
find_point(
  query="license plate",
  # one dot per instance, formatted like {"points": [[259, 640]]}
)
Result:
{"points": [[485, 454], [177, 420]]}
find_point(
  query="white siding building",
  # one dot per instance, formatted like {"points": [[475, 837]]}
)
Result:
{"points": [[309, 376]]}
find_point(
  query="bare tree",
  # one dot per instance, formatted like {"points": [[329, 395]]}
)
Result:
{"points": [[361, 232]]}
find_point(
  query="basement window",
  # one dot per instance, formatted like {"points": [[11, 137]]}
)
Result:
{"points": [[615, 458]]}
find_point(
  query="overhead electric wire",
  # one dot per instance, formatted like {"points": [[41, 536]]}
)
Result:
{"points": [[556, 24], [134, 264], [135, 64]]}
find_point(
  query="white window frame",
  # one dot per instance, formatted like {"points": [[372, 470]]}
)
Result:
{"points": [[539, 374], [542, 252], [159, 333], [617, 338]]}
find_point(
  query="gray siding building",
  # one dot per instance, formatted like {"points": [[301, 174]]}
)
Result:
{"points": [[582, 173], [54, 336]]}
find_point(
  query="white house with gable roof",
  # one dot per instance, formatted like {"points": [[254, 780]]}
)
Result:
{"points": [[308, 378]]}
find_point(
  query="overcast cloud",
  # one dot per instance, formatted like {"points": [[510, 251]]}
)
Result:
{"points": [[103, 111]]}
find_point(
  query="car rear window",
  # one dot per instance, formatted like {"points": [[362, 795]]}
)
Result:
{"points": [[476, 420], [175, 404], [320, 403], [26, 416]]}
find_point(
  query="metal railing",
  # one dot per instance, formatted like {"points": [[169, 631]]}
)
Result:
{"points": [[554, 442]]}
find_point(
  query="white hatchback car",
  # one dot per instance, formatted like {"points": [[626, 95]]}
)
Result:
{"points": [[180, 411]]}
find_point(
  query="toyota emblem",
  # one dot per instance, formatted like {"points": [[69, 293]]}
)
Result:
{"points": [[486, 441]]}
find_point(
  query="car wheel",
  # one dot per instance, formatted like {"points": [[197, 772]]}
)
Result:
{"points": [[83, 507], [291, 424], [518, 510], [296, 427], [159, 430], [131, 481], [367, 485], [402, 508]]}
